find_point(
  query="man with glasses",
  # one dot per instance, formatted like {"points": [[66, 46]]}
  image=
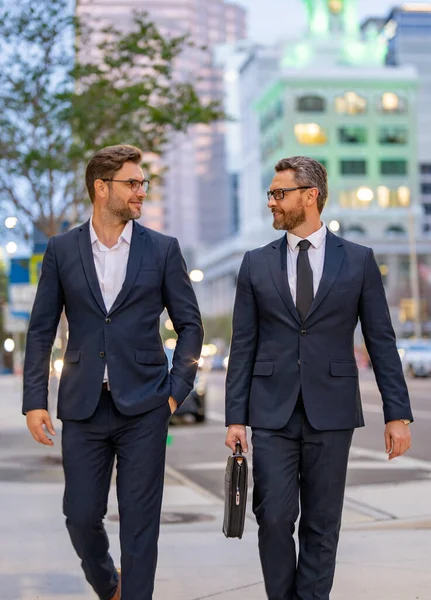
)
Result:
{"points": [[114, 278], [293, 378]]}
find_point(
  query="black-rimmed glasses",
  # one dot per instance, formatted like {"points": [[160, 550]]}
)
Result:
{"points": [[279, 194], [134, 184]]}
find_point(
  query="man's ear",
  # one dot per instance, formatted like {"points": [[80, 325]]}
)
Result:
{"points": [[312, 195], [100, 188]]}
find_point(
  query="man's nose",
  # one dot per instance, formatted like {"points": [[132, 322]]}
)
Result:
{"points": [[141, 193]]}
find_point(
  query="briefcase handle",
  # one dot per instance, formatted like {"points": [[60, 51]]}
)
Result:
{"points": [[238, 453]]}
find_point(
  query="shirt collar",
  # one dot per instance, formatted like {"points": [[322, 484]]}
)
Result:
{"points": [[317, 238], [126, 234]]}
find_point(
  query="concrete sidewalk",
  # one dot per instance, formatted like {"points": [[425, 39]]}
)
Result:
{"points": [[381, 557]]}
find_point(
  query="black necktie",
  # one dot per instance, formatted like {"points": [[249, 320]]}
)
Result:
{"points": [[304, 280]]}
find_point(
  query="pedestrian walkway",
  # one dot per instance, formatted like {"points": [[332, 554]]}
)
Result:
{"points": [[382, 556]]}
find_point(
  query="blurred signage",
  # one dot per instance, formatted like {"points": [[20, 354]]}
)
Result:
{"points": [[35, 266], [21, 297], [19, 271], [14, 322]]}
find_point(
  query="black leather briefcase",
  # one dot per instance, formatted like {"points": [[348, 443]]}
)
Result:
{"points": [[235, 489]]}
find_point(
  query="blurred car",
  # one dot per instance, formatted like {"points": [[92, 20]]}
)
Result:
{"points": [[195, 403], [415, 357]]}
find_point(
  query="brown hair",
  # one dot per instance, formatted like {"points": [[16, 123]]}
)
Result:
{"points": [[307, 172], [107, 161]]}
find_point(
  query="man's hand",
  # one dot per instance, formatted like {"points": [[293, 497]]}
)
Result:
{"points": [[397, 438], [172, 404], [36, 420], [236, 433]]}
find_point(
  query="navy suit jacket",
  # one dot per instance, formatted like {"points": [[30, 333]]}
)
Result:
{"points": [[127, 337], [273, 355]]}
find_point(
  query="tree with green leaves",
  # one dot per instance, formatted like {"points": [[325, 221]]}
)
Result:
{"points": [[67, 90]]}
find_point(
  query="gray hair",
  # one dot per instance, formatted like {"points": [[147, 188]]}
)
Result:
{"points": [[307, 172]]}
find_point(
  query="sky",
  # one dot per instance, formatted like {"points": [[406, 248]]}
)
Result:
{"points": [[274, 20]]}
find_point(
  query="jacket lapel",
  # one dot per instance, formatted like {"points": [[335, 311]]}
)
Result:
{"points": [[87, 259], [135, 254], [278, 268], [334, 255]]}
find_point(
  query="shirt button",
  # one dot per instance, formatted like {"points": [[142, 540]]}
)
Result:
{"points": [[303, 332], [107, 320], [102, 354]]}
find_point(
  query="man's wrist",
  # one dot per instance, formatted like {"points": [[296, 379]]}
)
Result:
{"points": [[405, 421]]}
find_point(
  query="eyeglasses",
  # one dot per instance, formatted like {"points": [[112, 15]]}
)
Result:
{"points": [[279, 194], [134, 184]]}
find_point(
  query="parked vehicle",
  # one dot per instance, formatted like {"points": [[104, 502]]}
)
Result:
{"points": [[416, 357], [195, 403]]}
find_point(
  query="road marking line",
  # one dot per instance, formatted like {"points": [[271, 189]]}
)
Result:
{"points": [[376, 408]]}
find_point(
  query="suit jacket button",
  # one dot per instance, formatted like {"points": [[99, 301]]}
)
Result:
{"points": [[299, 361], [107, 320], [102, 354], [303, 332]]}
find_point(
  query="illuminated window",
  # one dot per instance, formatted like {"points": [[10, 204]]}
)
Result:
{"points": [[393, 167], [392, 103], [393, 198], [356, 198], [310, 133], [393, 135], [352, 135], [350, 104], [353, 167], [310, 104], [403, 193]]}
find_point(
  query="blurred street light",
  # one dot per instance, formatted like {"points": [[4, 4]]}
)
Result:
{"points": [[169, 325], [11, 247], [196, 275], [9, 345], [11, 222], [170, 343], [365, 194], [334, 226], [58, 366]]}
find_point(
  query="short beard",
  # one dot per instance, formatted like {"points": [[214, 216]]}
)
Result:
{"points": [[290, 220], [121, 212]]}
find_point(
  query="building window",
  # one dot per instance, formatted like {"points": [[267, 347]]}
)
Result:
{"points": [[322, 161], [393, 167], [310, 133], [355, 231], [426, 188], [273, 114], [426, 169], [352, 135], [393, 198], [393, 135], [392, 103], [353, 167], [350, 104], [310, 104], [395, 231], [271, 145], [427, 209]]}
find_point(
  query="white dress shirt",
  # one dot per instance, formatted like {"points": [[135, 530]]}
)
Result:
{"points": [[316, 256], [111, 266]]}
